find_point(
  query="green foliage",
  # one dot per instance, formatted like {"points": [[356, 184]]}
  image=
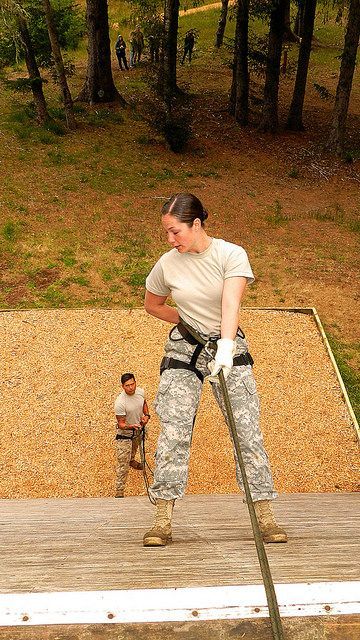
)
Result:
{"points": [[54, 296], [67, 257], [329, 214], [293, 172], [173, 123], [9, 231], [9, 44], [323, 92], [277, 218], [69, 21]]}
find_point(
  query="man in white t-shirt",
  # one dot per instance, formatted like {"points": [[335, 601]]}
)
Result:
{"points": [[132, 415]]}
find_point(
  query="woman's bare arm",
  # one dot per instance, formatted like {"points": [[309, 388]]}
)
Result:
{"points": [[232, 293], [156, 306]]}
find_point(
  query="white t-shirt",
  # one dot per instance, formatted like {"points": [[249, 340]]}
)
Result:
{"points": [[195, 281], [130, 406]]}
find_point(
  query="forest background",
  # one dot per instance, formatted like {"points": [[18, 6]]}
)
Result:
{"points": [[80, 202]]}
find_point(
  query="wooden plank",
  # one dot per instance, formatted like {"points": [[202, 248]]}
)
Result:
{"points": [[90, 544], [317, 628]]}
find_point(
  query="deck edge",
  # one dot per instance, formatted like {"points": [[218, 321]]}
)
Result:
{"points": [[177, 604]]}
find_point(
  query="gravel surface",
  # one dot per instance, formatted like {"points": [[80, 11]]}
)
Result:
{"points": [[60, 374]]}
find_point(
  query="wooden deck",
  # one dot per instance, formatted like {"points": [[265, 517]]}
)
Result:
{"points": [[88, 545], [95, 543]]}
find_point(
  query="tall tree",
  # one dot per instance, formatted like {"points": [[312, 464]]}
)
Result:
{"points": [[99, 83], [348, 61], [295, 119], [270, 120], [171, 25], [33, 70], [239, 101], [219, 38], [59, 64], [299, 20], [289, 35]]}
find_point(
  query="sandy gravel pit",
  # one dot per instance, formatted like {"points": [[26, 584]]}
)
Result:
{"points": [[60, 374]]}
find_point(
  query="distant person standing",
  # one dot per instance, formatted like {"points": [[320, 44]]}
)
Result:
{"points": [[136, 45], [154, 49], [189, 43], [132, 416], [120, 50], [139, 42], [133, 48]]}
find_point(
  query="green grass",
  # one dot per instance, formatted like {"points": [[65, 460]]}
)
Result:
{"points": [[9, 231], [277, 218], [343, 353]]}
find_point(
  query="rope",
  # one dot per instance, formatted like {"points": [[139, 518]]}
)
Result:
{"points": [[273, 606], [145, 464]]}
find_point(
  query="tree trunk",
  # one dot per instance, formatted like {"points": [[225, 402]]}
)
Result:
{"points": [[33, 70], [99, 84], [348, 61], [270, 121], [299, 21], [56, 51], [241, 69], [295, 122], [289, 35], [219, 38], [171, 23]]}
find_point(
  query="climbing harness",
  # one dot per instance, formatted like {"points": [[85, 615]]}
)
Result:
{"points": [[173, 363], [275, 620]]}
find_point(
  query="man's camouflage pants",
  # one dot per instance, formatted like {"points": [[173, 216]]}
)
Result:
{"points": [[176, 404], [125, 452]]}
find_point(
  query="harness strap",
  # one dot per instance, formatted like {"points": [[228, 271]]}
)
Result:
{"points": [[243, 359], [171, 363]]}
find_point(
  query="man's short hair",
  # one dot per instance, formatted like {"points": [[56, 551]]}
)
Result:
{"points": [[126, 376]]}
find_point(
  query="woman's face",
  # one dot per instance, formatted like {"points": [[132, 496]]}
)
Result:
{"points": [[179, 235]]}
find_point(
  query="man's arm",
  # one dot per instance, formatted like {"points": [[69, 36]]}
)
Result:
{"points": [[146, 415], [121, 420]]}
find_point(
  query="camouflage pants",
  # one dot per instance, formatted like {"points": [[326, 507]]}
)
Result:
{"points": [[126, 451], [176, 404]]}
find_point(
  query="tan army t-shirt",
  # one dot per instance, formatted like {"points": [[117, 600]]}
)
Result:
{"points": [[195, 281], [130, 406]]}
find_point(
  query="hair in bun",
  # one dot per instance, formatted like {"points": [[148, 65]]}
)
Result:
{"points": [[185, 207]]}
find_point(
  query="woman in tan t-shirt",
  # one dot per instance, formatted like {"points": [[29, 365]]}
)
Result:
{"points": [[206, 278]]}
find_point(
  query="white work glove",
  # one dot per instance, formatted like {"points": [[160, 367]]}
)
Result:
{"points": [[223, 359]]}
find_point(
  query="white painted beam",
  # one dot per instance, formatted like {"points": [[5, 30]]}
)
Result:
{"points": [[177, 605]]}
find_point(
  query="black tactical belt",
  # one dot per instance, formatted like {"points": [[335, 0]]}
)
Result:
{"points": [[122, 436]]}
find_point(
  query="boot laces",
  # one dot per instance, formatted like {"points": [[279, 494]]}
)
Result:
{"points": [[265, 512], [163, 513]]}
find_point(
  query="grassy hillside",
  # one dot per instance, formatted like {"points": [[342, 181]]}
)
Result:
{"points": [[79, 220]]}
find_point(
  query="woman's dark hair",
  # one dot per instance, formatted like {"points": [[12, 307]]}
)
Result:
{"points": [[185, 207], [126, 377]]}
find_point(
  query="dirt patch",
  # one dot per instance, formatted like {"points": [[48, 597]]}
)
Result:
{"points": [[60, 374]]}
